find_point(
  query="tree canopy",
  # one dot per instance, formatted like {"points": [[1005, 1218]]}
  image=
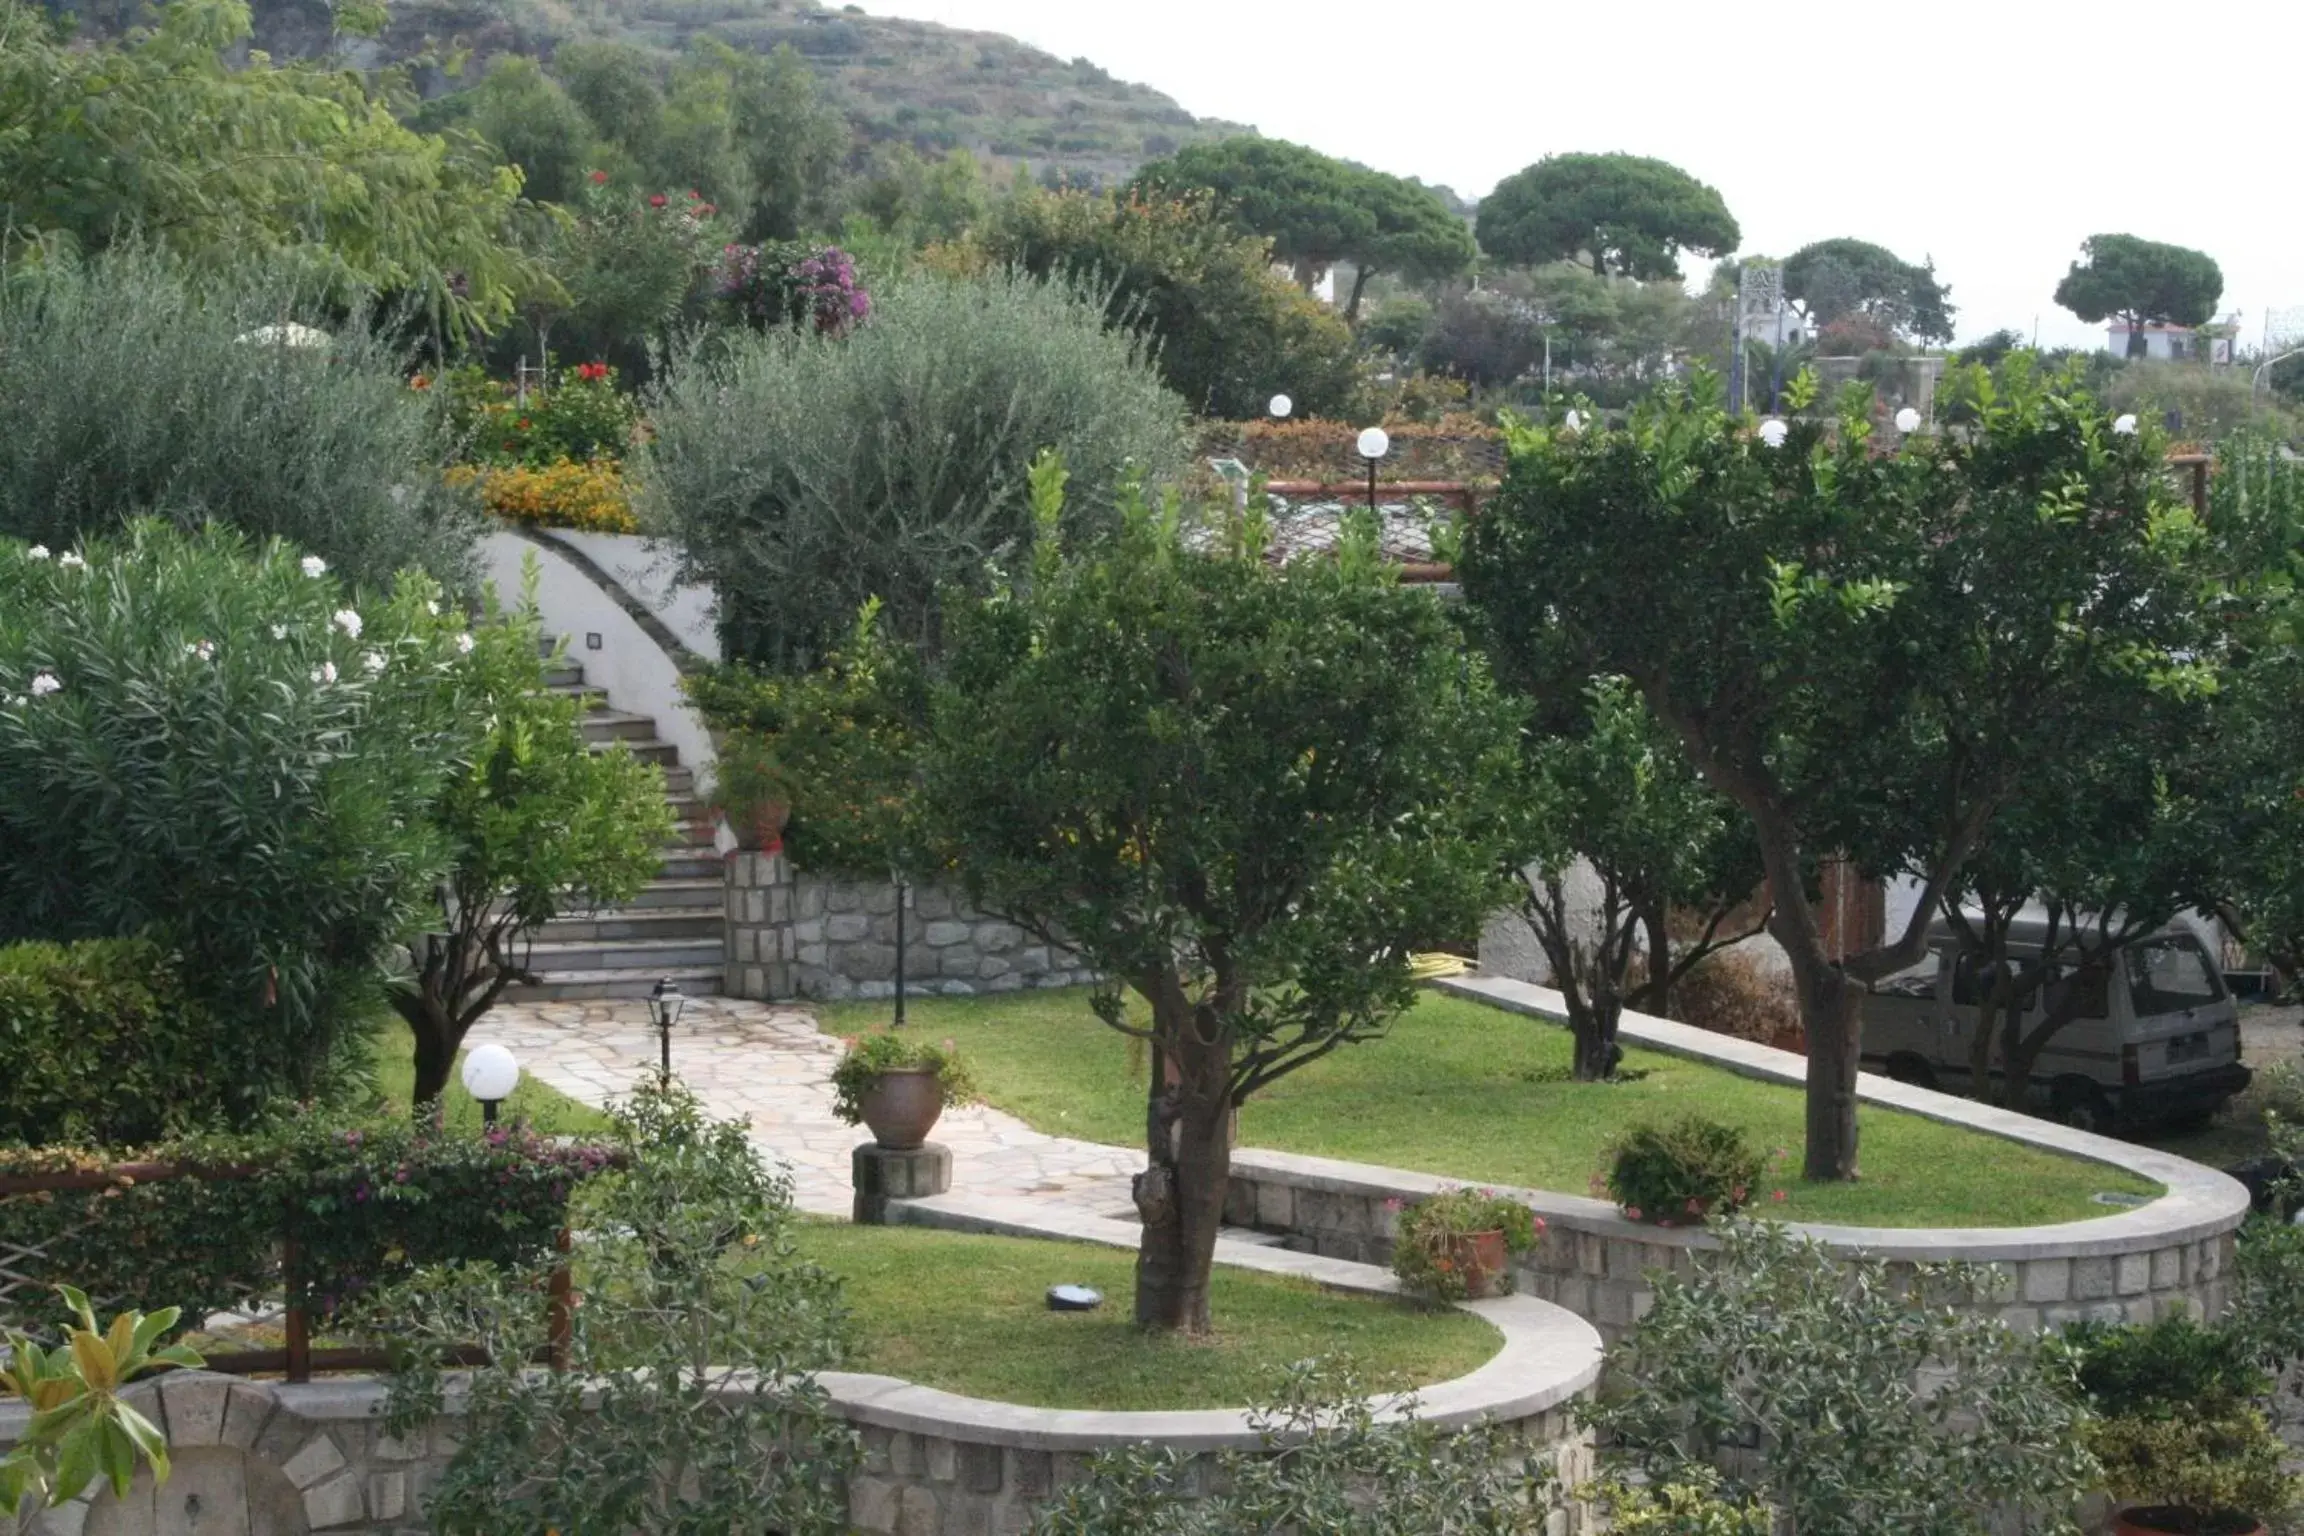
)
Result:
{"points": [[1317, 210], [1834, 278], [161, 139], [1622, 213], [2142, 282]]}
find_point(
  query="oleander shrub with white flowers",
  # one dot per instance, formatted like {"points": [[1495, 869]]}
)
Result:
{"points": [[216, 745]]}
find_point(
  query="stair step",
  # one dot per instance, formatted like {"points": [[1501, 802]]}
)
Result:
{"points": [[615, 724], [625, 954], [679, 782], [691, 863], [623, 923], [564, 674], [586, 986], [647, 751], [680, 894]]}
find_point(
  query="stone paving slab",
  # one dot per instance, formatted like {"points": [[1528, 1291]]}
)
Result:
{"points": [[770, 1066]]}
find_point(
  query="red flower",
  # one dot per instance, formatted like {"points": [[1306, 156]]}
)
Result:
{"points": [[590, 372], [1778, 1197], [419, 382], [599, 178], [656, 200], [1632, 1211]]}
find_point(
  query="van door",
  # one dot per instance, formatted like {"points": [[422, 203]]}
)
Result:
{"points": [[2186, 1024]]}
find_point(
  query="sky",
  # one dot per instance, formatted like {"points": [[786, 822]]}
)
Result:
{"points": [[1991, 135]]}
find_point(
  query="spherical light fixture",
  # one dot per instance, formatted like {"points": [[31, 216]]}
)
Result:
{"points": [[490, 1074], [1281, 406], [1907, 421], [1773, 432], [2125, 425], [1572, 422], [1375, 442]]}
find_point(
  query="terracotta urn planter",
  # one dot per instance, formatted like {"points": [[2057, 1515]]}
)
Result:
{"points": [[761, 829], [902, 1107], [2150, 1520], [1480, 1258]]}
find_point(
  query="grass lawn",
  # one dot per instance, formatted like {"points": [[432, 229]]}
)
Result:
{"points": [[552, 1113], [1476, 1093], [969, 1314]]}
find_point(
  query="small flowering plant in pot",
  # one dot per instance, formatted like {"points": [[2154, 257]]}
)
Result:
{"points": [[1682, 1173], [1460, 1243], [898, 1087]]}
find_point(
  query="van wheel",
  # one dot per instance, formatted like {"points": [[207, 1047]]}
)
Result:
{"points": [[2081, 1105], [1905, 1067]]}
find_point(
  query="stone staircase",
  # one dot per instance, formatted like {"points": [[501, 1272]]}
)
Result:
{"points": [[672, 930]]}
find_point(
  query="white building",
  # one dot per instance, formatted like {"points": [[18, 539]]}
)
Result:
{"points": [[2173, 343]]}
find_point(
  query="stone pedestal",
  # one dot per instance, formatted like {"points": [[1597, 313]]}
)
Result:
{"points": [[881, 1175]]}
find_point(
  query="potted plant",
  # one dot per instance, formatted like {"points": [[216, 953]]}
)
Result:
{"points": [[2180, 1428], [751, 789], [1682, 1173], [898, 1087], [1460, 1243]]}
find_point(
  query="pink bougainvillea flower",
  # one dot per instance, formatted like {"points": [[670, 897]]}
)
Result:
{"points": [[656, 200], [1632, 1211], [599, 178]]}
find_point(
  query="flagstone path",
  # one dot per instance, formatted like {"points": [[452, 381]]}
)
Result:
{"points": [[768, 1065]]}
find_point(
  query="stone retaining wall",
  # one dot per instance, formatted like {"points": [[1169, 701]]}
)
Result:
{"points": [[795, 934]]}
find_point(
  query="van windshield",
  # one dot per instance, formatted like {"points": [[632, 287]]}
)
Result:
{"points": [[2171, 974]]}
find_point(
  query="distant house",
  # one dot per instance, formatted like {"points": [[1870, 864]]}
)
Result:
{"points": [[2176, 343]]}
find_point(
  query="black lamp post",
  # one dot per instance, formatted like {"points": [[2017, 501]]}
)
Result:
{"points": [[1375, 442], [664, 1005]]}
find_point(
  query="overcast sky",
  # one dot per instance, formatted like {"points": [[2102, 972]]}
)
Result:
{"points": [[1993, 135]]}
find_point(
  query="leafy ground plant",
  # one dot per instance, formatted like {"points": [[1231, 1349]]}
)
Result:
{"points": [[81, 1429], [698, 1333], [1846, 1397]]}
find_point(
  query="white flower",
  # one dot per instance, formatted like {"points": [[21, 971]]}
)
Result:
{"points": [[347, 621], [1907, 420], [464, 643], [45, 683], [37, 552], [313, 565], [69, 561], [324, 673], [2125, 426], [1572, 422], [432, 606], [279, 631], [204, 649], [1773, 432], [373, 661]]}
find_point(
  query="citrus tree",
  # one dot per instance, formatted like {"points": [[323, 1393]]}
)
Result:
{"points": [[1244, 791]]}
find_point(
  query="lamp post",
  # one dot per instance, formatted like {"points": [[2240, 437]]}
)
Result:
{"points": [[1374, 443], [903, 896], [490, 1074], [1281, 406], [2256, 379], [664, 1005]]}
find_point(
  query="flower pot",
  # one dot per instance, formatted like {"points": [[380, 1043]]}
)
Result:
{"points": [[761, 828], [1479, 1257], [2159, 1520], [902, 1107]]}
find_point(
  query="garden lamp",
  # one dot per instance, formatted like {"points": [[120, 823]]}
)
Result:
{"points": [[490, 1074], [664, 1005], [1281, 406], [1375, 442]]}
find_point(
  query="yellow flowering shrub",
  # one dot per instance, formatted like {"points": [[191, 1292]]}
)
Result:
{"points": [[590, 497]]}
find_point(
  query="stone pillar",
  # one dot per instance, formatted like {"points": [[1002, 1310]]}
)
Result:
{"points": [[881, 1175], [757, 942]]}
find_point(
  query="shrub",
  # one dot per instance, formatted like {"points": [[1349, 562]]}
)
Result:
{"points": [[202, 741], [1847, 1399], [81, 1426], [1426, 1249], [1691, 1508], [1677, 1174], [2171, 1368], [1353, 1466], [1735, 993], [579, 418], [2200, 1474], [695, 1347], [128, 391], [868, 1057], [792, 283], [590, 497], [803, 474], [100, 1043]]}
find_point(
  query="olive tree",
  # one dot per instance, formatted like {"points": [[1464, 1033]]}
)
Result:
{"points": [[1816, 622], [1245, 791]]}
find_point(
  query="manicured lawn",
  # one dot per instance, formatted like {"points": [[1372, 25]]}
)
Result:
{"points": [[969, 1314], [548, 1110], [1480, 1094]]}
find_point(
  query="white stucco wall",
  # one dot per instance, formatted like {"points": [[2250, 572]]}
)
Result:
{"points": [[644, 567], [633, 669]]}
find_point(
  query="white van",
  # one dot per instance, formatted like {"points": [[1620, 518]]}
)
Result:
{"points": [[2160, 1044]]}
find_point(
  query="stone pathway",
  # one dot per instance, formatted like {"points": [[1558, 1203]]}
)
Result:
{"points": [[768, 1065]]}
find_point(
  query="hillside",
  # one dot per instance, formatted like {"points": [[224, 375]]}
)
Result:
{"points": [[899, 80]]}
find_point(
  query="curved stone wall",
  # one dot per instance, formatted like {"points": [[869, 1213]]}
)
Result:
{"points": [[2173, 1253]]}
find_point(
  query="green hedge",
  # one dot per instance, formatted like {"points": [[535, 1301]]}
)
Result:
{"points": [[100, 1044]]}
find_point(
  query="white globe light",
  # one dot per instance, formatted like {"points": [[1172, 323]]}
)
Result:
{"points": [[1907, 420], [1282, 405], [1773, 433], [2125, 426], [490, 1073], [1375, 442]]}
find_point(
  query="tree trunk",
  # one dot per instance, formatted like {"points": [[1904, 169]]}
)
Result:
{"points": [[2136, 346], [1180, 1194], [1830, 1015], [436, 1044], [1360, 278], [1596, 1053]]}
